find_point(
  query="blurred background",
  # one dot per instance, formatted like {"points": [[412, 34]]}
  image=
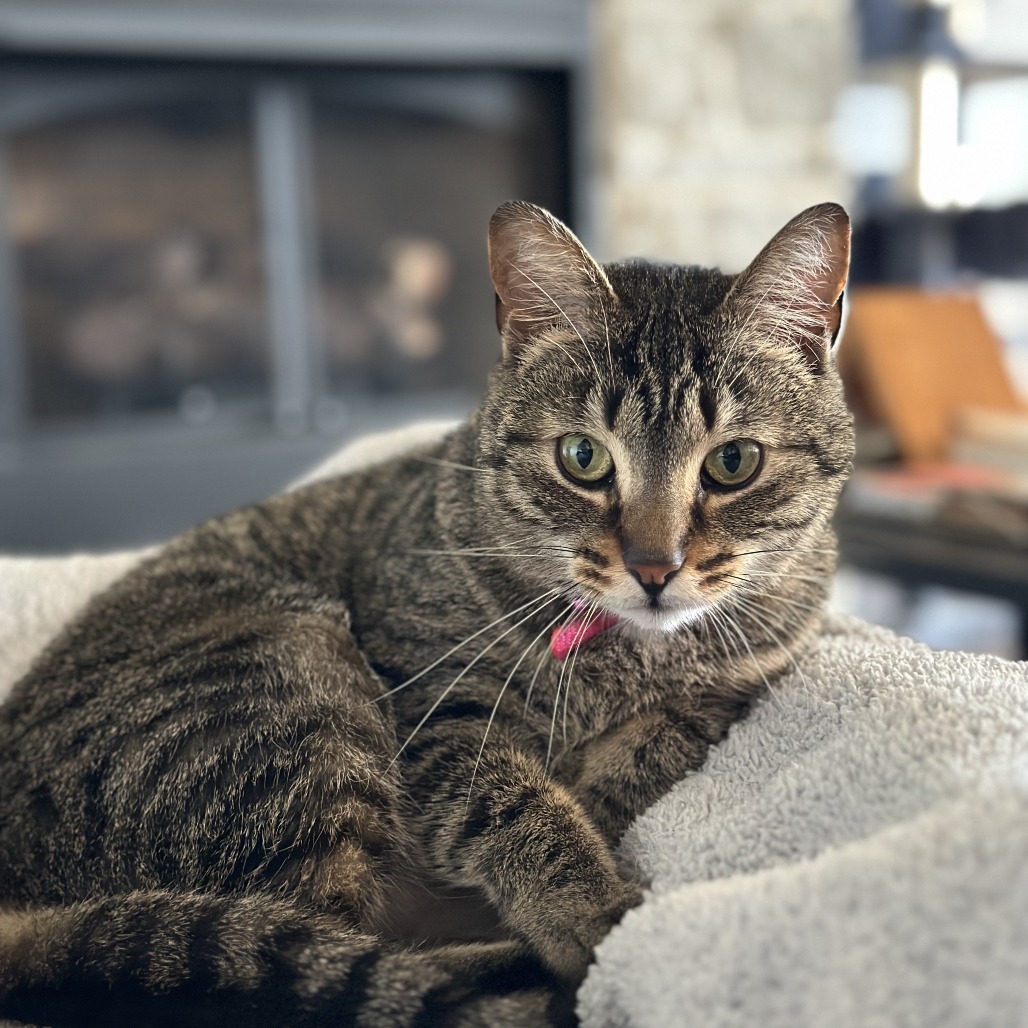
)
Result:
{"points": [[236, 233]]}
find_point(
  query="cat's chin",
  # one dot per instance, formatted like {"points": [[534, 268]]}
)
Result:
{"points": [[659, 619]]}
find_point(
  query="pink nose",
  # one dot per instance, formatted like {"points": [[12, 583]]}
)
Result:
{"points": [[653, 575]]}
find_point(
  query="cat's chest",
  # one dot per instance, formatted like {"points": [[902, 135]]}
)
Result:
{"points": [[447, 644], [610, 678], [441, 628]]}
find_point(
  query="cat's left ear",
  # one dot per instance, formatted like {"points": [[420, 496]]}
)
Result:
{"points": [[793, 290], [542, 275]]}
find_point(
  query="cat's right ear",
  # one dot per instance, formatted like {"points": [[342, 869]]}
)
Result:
{"points": [[793, 290], [543, 276]]}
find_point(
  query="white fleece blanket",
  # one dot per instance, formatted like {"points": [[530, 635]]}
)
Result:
{"points": [[854, 854]]}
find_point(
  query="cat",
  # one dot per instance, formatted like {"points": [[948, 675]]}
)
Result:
{"points": [[360, 754]]}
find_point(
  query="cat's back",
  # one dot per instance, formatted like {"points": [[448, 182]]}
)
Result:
{"points": [[170, 661]]}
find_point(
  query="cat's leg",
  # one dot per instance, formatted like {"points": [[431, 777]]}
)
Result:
{"points": [[311, 777], [241, 744], [618, 774], [518, 835]]}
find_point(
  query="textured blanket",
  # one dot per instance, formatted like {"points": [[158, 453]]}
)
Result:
{"points": [[855, 853]]}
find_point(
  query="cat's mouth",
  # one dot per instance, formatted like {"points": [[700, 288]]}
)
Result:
{"points": [[627, 606], [660, 616], [590, 620]]}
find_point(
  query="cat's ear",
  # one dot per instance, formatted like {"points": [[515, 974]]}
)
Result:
{"points": [[542, 275], [793, 290]]}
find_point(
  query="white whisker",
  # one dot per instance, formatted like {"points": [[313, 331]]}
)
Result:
{"points": [[478, 656], [715, 623], [439, 462], [567, 614], [787, 549], [756, 663], [486, 553], [778, 598], [499, 548], [560, 681], [788, 574], [485, 735], [591, 614], [750, 607], [550, 593], [749, 588]]}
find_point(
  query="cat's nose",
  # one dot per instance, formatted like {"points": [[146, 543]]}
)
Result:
{"points": [[653, 574]]}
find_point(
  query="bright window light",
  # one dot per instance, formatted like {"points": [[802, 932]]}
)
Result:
{"points": [[938, 139], [995, 117]]}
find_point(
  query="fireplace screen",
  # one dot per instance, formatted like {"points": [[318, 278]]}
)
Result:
{"points": [[149, 217], [138, 254], [408, 172], [232, 267]]}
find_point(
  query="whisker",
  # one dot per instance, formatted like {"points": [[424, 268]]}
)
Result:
{"points": [[531, 684], [726, 633], [786, 620], [796, 603], [551, 593], [454, 465], [778, 598], [753, 610], [567, 613], [498, 549], [756, 663], [715, 623], [591, 614], [560, 681], [484, 553], [790, 575], [746, 596], [787, 549], [748, 588], [528, 649], [478, 656]]}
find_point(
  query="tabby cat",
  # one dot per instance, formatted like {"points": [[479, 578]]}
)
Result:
{"points": [[358, 755]]}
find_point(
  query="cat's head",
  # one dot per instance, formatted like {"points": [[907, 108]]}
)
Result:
{"points": [[660, 437]]}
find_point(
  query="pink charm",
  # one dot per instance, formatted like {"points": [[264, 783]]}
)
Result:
{"points": [[570, 636]]}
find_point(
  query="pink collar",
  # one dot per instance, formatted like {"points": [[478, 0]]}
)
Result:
{"points": [[578, 630]]}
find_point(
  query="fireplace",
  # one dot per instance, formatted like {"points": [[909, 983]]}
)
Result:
{"points": [[221, 255]]}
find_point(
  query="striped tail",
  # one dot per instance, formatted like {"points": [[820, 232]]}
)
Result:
{"points": [[170, 959]]}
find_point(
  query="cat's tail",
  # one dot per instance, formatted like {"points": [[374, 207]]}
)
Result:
{"points": [[169, 959]]}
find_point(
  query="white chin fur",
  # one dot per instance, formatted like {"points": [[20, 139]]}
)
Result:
{"points": [[651, 620]]}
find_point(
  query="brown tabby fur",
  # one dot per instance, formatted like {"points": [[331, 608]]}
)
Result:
{"points": [[314, 733]]}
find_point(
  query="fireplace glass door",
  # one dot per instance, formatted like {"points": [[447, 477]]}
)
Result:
{"points": [[135, 231], [217, 272]]}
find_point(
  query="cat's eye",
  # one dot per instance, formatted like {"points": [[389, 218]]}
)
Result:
{"points": [[734, 463], [585, 459]]}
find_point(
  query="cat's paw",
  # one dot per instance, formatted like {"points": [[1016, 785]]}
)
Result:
{"points": [[566, 927]]}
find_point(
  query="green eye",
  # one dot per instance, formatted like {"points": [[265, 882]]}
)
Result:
{"points": [[584, 459], [734, 463]]}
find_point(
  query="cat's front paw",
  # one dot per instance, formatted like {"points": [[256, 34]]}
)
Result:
{"points": [[566, 926]]}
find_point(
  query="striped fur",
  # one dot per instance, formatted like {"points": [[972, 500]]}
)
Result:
{"points": [[314, 764]]}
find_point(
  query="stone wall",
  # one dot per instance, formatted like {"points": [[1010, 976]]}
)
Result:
{"points": [[714, 122]]}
